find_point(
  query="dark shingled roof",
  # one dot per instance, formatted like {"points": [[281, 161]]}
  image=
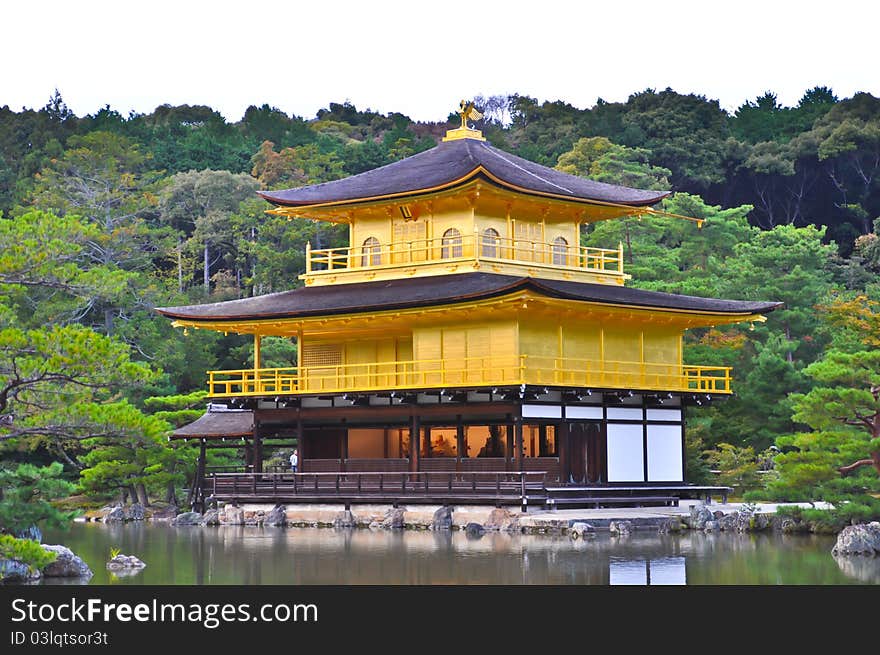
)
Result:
{"points": [[218, 424], [442, 290], [454, 162]]}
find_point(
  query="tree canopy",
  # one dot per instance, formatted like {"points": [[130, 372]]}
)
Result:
{"points": [[106, 216]]}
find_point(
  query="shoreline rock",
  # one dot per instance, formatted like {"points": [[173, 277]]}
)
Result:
{"points": [[474, 530], [582, 530], [620, 528], [277, 517], [119, 562], [67, 564], [861, 539], [14, 572], [345, 519], [442, 519], [187, 518], [394, 518]]}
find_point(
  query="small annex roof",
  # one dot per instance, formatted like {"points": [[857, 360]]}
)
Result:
{"points": [[218, 424], [457, 162], [409, 293]]}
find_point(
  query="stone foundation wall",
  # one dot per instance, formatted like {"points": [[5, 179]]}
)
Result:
{"points": [[325, 514]]}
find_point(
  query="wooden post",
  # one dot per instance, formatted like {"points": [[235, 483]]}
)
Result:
{"points": [[562, 450], [258, 449], [343, 443], [196, 494], [508, 446], [518, 437], [414, 445], [460, 445]]}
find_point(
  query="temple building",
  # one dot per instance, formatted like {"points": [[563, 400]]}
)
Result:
{"points": [[464, 342]]}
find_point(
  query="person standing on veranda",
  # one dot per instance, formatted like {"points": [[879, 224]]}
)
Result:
{"points": [[294, 460]]}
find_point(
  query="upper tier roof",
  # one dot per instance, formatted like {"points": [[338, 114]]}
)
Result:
{"points": [[443, 290], [455, 162]]}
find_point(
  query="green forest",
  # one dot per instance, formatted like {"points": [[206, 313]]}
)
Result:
{"points": [[106, 216]]}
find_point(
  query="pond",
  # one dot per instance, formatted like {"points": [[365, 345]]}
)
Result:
{"points": [[241, 555]]}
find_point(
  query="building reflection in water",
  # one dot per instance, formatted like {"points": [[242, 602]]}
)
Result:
{"points": [[253, 555], [664, 571]]}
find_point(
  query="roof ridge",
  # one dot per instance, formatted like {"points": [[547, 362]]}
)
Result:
{"points": [[498, 154], [317, 185]]}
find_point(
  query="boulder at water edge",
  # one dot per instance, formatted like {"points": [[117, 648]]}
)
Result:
{"points": [[344, 519], [862, 539], [620, 528], [442, 519], [187, 518], [211, 517], [699, 516], [276, 517], [124, 562], [135, 512], [15, 572], [66, 565], [729, 522], [232, 515], [670, 524], [394, 518], [115, 515], [581, 529], [502, 520], [474, 530]]}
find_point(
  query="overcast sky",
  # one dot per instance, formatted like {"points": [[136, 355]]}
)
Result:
{"points": [[421, 58]]}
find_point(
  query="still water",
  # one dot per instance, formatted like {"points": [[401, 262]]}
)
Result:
{"points": [[254, 555]]}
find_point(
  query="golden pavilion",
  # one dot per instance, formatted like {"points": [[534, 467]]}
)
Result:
{"points": [[464, 347]]}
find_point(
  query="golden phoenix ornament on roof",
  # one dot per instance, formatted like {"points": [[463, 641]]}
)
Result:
{"points": [[468, 110]]}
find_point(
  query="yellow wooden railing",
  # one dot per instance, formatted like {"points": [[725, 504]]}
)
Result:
{"points": [[469, 247], [469, 372]]}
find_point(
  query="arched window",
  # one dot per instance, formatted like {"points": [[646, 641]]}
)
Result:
{"points": [[560, 251], [450, 244], [371, 252], [490, 243]]}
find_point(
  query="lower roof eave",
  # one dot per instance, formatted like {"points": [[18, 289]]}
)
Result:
{"points": [[517, 393]]}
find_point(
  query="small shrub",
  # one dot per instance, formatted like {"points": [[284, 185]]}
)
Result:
{"points": [[26, 551], [738, 467]]}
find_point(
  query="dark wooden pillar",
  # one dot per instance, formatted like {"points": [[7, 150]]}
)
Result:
{"points": [[508, 446], [518, 440], [460, 445], [300, 442], [562, 450], [343, 442], [542, 441], [258, 449], [414, 443], [427, 447], [248, 455], [195, 496]]}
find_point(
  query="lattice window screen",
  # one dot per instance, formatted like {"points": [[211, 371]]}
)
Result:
{"points": [[409, 231], [320, 354]]}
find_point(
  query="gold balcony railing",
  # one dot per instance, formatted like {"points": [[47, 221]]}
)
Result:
{"points": [[469, 372], [467, 247]]}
